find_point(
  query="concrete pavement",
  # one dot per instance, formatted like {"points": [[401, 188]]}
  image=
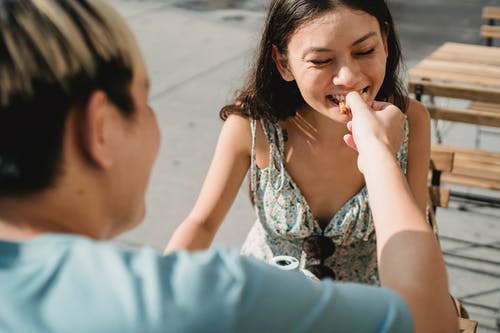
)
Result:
{"points": [[198, 52]]}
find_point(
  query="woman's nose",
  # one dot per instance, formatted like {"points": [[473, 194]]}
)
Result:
{"points": [[347, 75]]}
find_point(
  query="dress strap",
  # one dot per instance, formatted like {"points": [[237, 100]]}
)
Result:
{"points": [[280, 157], [403, 150], [253, 169], [274, 136]]}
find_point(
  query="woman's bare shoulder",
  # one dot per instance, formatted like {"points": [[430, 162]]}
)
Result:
{"points": [[417, 114], [237, 132]]}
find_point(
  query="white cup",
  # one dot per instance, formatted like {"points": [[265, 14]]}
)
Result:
{"points": [[286, 263]]}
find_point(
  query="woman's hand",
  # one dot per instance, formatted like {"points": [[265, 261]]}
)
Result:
{"points": [[373, 127]]}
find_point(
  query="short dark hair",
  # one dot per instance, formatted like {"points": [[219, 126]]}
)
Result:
{"points": [[265, 93], [53, 55]]}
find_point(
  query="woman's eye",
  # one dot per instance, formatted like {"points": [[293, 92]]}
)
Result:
{"points": [[320, 62], [367, 52]]}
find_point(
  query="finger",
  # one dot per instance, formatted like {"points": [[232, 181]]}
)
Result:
{"points": [[378, 105], [349, 125], [349, 140], [355, 102]]}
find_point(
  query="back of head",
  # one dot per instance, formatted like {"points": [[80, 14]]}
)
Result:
{"points": [[53, 55]]}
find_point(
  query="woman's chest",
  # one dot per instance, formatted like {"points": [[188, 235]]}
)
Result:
{"points": [[320, 177], [325, 185], [327, 179]]}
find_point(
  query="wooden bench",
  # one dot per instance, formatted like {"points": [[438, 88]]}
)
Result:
{"points": [[471, 167], [478, 112], [489, 31], [442, 161], [485, 114]]}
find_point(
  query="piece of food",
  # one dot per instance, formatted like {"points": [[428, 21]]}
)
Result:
{"points": [[364, 96], [343, 109]]}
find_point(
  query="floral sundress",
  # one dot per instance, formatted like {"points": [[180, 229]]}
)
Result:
{"points": [[284, 218]]}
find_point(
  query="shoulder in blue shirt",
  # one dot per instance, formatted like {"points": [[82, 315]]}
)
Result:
{"points": [[63, 283]]}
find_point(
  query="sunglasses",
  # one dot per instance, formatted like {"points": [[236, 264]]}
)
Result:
{"points": [[319, 247]]}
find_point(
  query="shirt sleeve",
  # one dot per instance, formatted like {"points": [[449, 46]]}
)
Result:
{"points": [[221, 291]]}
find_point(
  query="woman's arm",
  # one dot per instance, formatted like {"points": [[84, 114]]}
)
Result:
{"points": [[410, 260], [418, 151], [229, 166]]}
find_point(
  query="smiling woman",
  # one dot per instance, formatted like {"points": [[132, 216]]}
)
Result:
{"points": [[286, 127]]}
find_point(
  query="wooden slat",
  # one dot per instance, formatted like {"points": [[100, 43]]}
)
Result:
{"points": [[482, 75], [475, 117], [482, 155], [491, 12], [435, 88], [487, 107], [489, 184], [474, 166], [490, 31], [476, 171], [467, 53], [442, 160]]}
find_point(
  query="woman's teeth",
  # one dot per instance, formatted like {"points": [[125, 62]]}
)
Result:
{"points": [[340, 100], [337, 99]]}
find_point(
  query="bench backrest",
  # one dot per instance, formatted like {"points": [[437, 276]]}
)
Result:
{"points": [[475, 93], [491, 13], [471, 167], [490, 31]]}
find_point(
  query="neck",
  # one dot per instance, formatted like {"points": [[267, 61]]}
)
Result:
{"points": [[27, 217]]}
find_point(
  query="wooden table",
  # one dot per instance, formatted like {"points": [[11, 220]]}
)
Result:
{"points": [[466, 64], [469, 72], [464, 71]]}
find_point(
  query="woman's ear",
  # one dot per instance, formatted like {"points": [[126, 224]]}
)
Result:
{"points": [[282, 65]]}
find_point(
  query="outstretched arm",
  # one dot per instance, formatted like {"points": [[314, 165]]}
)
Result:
{"points": [[410, 260], [419, 148], [229, 166]]}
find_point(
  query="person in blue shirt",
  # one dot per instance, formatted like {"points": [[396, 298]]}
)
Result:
{"points": [[77, 144]]}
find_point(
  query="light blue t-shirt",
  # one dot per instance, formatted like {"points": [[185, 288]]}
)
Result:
{"points": [[63, 283]]}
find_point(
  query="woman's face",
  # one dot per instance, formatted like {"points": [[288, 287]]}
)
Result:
{"points": [[338, 52]]}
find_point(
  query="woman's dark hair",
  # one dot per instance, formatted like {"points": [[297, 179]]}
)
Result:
{"points": [[53, 55], [266, 95]]}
